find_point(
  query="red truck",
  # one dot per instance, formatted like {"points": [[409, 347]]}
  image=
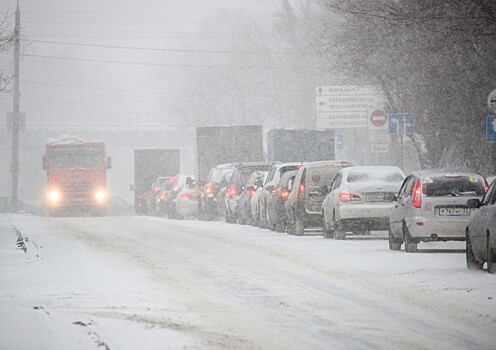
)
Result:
{"points": [[76, 175]]}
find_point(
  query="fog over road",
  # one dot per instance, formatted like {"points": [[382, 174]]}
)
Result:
{"points": [[128, 282]]}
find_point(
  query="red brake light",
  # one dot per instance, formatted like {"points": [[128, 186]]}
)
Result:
{"points": [[284, 194], [301, 189], [299, 166], [251, 193], [186, 196], [208, 189], [274, 189], [347, 196], [162, 195], [417, 195], [156, 189], [233, 192], [176, 188]]}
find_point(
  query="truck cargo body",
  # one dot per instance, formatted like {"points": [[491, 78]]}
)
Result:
{"points": [[300, 145], [149, 164], [76, 176], [227, 144]]}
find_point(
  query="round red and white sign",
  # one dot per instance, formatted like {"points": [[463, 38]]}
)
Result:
{"points": [[378, 117]]}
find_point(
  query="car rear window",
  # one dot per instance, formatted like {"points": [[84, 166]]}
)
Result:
{"points": [[322, 176], [218, 174], [451, 185]]}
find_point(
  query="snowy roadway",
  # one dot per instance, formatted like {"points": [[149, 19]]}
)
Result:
{"points": [[153, 283]]}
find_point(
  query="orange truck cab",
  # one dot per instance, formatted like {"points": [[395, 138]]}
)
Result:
{"points": [[76, 176]]}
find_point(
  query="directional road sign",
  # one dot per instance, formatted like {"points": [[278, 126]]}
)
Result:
{"points": [[401, 123], [491, 128]]}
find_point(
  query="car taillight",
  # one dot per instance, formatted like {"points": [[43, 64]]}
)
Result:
{"points": [[486, 185], [301, 189], [347, 197], [233, 192], [186, 196], [274, 189], [284, 195], [176, 188], [156, 189], [162, 196], [251, 193], [209, 189], [417, 195]]}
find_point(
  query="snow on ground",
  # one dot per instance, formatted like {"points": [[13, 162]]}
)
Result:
{"points": [[153, 283]]}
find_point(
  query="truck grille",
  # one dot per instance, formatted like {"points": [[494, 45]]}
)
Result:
{"points": [[76, 187]]}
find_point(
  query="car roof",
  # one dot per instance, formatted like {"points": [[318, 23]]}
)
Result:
{"points": [[443, 171], [335, 163], [370, 168]]}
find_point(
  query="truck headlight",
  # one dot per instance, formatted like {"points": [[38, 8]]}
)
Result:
{"points": [[54, 196], [100, 196]]}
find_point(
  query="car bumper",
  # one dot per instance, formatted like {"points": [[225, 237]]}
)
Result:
{"points": [[187, 208], [437, 230], [359, 211]]}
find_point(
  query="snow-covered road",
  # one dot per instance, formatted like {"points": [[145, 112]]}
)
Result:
{"points": [[153, 283]]}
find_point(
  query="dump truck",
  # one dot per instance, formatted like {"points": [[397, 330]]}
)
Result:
{"points": [[76, 176], [150, 167], [300, 145]]}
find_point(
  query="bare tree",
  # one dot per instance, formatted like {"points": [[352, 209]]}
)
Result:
{"points": [[435, 59], [6, 41]]}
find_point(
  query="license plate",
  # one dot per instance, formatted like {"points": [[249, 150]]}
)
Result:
{"points": [[374, 198], [454, 211]]}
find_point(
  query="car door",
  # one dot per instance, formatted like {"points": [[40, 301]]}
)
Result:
{"points": [[293, 195], [479, 221], [400, 207]]}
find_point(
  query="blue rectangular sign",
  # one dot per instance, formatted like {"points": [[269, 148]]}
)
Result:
{"points": [[339, 142], [401, 123], [491, 128]]}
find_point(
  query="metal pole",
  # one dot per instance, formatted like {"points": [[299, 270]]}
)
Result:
{"points": [[14, 204]]}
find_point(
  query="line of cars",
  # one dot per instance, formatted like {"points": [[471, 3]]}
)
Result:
{"points": [[340, 199]]}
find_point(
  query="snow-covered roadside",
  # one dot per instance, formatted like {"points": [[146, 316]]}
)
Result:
{"points": [[112, 281], [55, 271]]}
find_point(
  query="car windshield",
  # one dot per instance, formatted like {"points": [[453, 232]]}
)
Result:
{"points": [[75, 158], [453, 185], [375, 175]]}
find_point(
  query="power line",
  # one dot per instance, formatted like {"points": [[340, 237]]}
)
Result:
{"points": [[161, 64], [169, 49]]}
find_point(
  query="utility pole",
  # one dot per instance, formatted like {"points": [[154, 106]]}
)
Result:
{"points": [[14, 166]]}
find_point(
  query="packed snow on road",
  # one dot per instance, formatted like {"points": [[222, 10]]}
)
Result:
{"points": [[135, 282]]}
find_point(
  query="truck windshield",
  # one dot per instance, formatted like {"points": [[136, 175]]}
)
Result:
{"points": [[78, 158]]}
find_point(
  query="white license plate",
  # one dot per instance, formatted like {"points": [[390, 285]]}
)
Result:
{"points": [[374, 198], [454, 211]]}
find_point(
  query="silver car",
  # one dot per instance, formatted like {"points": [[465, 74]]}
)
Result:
{"points": [[481, 232], [360, 200], [432, 206]]}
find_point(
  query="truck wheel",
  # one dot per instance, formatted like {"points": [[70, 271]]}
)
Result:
{"points": [[394, 244], [491, 257], [410, 244]]}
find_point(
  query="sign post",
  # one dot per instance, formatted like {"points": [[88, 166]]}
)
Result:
{"points": [[491, 128], [402, 124]]}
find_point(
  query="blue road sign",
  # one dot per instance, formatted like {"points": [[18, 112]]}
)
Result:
{"points": [[491, 128], [339, 142], [401, 123]]}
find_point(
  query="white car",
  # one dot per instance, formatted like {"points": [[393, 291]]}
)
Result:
{"points": [[186, 201], [432, 206], [360, 200]]}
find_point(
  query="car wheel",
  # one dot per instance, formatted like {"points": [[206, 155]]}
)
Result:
{"points": [[339, 232], [393, 243], [410, 244], [299, 228], [472, 262], [279, 226], [327, 232], [263, 219], [491, 257]]}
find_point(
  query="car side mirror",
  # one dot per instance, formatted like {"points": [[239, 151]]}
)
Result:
{"points": [[474, 203], [109, 162], [323, 190], [45, 162]]}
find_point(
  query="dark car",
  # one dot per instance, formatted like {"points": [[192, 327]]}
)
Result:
{"points": [[279, 216], [304, 205], [157, 197], [237, 185], [481, 232], [208, 204], [255, 181]]}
